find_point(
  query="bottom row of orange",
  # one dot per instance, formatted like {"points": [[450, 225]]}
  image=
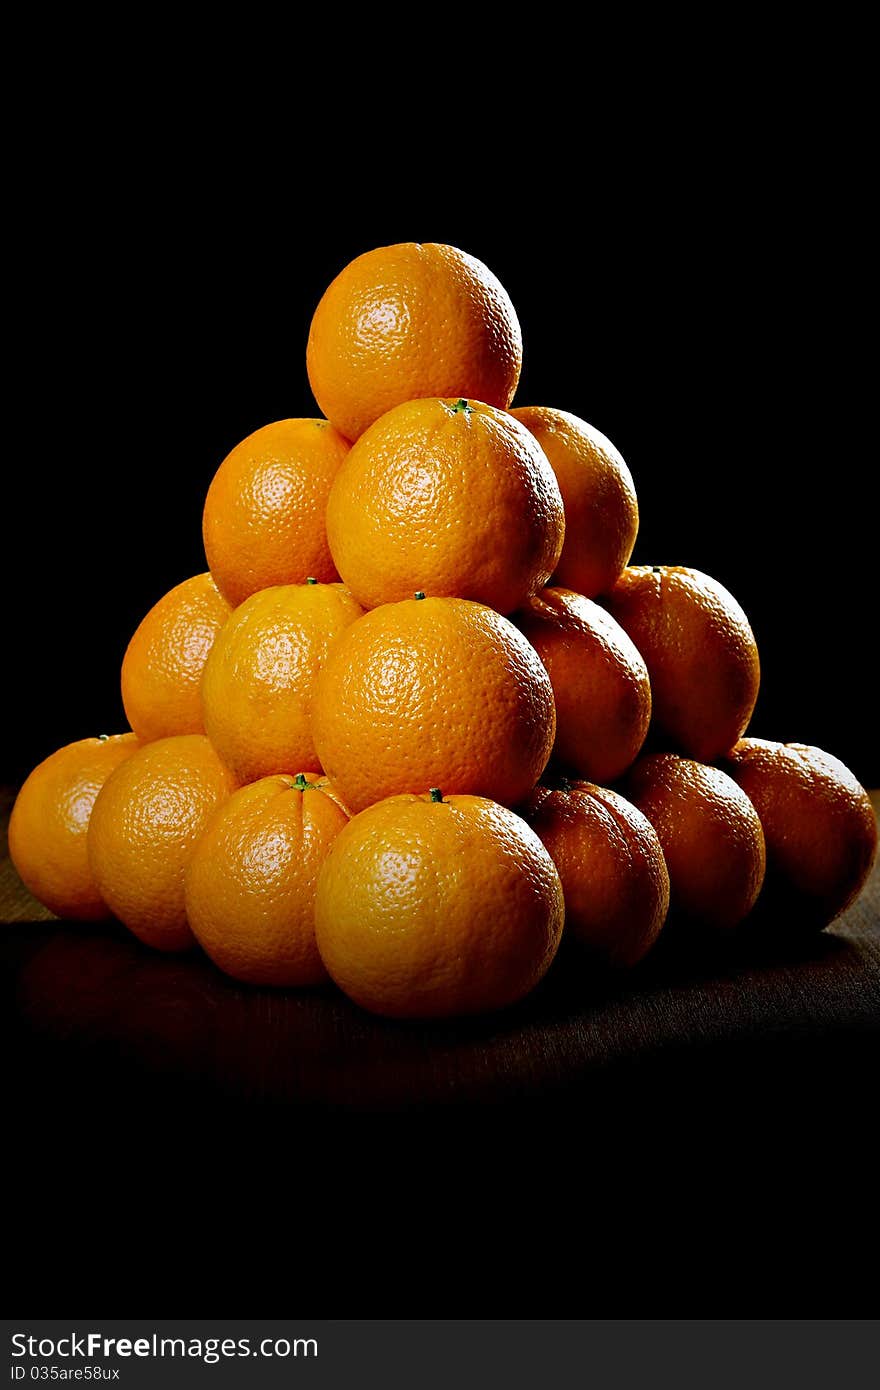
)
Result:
{"points": [[427, 906]]}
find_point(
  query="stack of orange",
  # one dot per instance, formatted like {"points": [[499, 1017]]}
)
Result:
{"points": [[377, 741]]}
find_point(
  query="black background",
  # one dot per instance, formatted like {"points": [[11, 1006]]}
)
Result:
{"points": [[703, 312], [689, 262]]}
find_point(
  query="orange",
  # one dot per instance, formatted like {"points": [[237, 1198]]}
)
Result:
{"points": [[251, 882], [613, 873], [433, 692], [258, 682], [162, 666], [145, 825], [710, 833], [451, 497], [600, 683], [819, 827], [263, 522], [700, 653], [406, 321], [428, 908], [601, 510], [50, 818]]}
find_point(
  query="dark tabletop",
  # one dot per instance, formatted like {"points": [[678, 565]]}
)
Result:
{"points": [[138, 1073], [95, 988]]}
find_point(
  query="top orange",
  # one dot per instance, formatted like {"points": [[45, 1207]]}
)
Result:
{"points": [[407, 321]]}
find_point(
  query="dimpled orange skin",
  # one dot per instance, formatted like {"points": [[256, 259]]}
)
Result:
{"points": [[433, 692], [406, 321], [251, 882], [263, 522], [601, 509], [451, 497], [163, 663], [50, 819], [710, 834], [600, 683], [433, 909], [613, 873], [819, 828], [145, 824], [700, 653], [258, 682]]}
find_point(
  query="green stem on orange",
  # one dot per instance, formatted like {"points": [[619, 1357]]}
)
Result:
{"points": [[462, 407], [436, 794], [419, 593], [310, 580], [301, 784], [102, 738]]}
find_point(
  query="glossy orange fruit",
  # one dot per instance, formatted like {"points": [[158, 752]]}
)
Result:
{"points": [[433, 692], [451, 497], [600, 683], [406, 321], [251, 882], [700, 653], [162, 666], [601, 510], [710, 833], [263, 522], [428, 908], [49, 821], [145, 824], [258, 682], [613, 873], [819, 828]]}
